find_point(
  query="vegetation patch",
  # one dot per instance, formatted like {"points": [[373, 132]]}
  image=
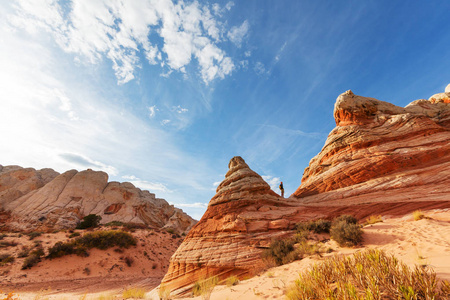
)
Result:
{"points": [[33, 259], [34, 234], [6, 259], [367, 275], [90, 221], [316, 226], [418, 215], [346, 232], [232, 280], [205, 287], [134, 293], [373, 220], [99, 239]]}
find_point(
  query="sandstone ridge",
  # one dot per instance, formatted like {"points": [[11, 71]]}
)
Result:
{"points": [[46, 200], [378, 147]]}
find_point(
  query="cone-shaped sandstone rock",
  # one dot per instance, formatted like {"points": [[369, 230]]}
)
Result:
{"points": [[242, 218]]}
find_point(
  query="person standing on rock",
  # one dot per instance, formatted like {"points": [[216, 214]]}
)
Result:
{"points": [[281, 189]]}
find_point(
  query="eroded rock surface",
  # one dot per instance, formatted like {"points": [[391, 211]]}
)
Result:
{"points": [[46, 200], [389, 152]]}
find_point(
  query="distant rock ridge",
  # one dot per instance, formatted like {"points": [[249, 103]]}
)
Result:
{"points": [[46, 200], [380, 159]]}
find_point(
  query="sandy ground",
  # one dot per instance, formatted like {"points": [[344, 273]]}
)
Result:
{"points": [[103, 272], [426, 241]]}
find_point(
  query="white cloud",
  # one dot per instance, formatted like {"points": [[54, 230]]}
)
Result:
{"points": [[120, 31], [216, 184], [260, 69], [191, 205], [248, 53], [179, 109], [83, 162], [165, 122], [274, 182], [152, 111], [237, 34], [147, 185]]}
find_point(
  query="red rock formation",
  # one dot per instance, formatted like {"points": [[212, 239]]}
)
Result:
{"points": [[379, 147], [47, 200], [241, 219], [380, 159]]}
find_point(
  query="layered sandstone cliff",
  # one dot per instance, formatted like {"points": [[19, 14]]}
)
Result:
{"points": [[379, 151], [380, 159], [46, 200]]}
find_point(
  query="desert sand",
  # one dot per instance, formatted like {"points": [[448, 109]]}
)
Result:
{"points": [[426, 241]]}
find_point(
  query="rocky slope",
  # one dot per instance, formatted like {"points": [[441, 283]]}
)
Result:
{"points": [[380, 159], [45, 200]]}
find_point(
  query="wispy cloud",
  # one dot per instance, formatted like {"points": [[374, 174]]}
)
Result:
{"points": [[272, 181], [180, 109], [117, 30], [191, 205], [84, 162], [152, 111], [238, 33], [147, 185]]}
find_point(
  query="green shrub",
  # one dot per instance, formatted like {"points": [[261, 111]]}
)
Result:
{"points": [[31, 261], [347, 218], [5, 259], [346, 234], [34, 234], [99, 239], [280, 251], [90, 221], [317, 226], [367, 275], [24, 252], [114, 223], [74, 234]]}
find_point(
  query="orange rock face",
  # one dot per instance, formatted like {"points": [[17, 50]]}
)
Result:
{"points": [[378, 146], [241, 220]]}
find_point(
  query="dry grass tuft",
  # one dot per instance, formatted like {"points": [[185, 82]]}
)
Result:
{"points": [[205, 287], [232, 280], [164, 293], [373, 220], [134, 293], [418, 215], [367, 275]]}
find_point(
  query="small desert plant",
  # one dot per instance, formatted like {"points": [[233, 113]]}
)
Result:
{"points": [[418, 215], [345, 231], [9, 296], [87, 271], [134, 293], [280, 251], [232, 280], [367, 275], [129, 261], [347, 218], [164, 292], [114, 223], [90, 221], [2, 236], [317, 226], [5, 259], [205, 287], [34, 234], [24, 252], [31, 261], [6, 244], [373, 219], [74, 234]]}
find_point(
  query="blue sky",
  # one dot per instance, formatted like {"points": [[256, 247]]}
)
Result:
{"points": [[164, 93]]}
